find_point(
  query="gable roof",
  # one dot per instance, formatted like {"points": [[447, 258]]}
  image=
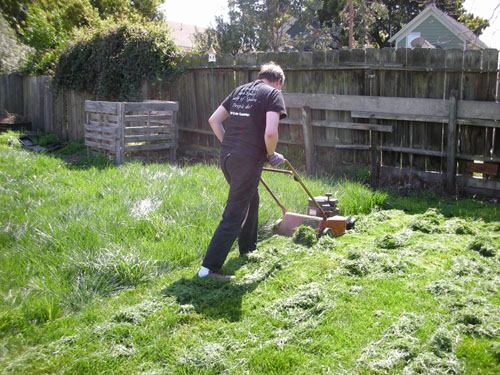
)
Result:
{"points": [[457, 28], [182, 33]]}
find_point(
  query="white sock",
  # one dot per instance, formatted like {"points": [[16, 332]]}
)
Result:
{"points": [[203, 272]]}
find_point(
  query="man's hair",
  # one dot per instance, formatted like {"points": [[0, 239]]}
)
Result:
{"points": [[272, 72]]}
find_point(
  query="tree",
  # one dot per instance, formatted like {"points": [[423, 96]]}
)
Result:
{"points": [[268, 25], [13, 54], [48, 25], [126, 9], [14, 11], [376, 21]]}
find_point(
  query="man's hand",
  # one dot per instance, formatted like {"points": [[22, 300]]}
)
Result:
{"points": [[275, 159]]}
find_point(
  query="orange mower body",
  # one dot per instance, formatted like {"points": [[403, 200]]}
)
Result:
{"points": [[334, 226], [326, 221]]}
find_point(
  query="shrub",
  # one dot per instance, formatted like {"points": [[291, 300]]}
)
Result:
{"points": [[73, 148], [46, 139], [10, 138], [112, 64]]}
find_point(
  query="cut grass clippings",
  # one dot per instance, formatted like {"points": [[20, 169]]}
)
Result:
{"points": [[98, 264]]}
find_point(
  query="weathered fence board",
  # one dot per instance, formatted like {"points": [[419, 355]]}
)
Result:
{"points": [[108, 108]]}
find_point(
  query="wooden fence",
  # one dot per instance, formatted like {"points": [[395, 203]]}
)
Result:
{"points": [[129, 131], [49, 110], [414, 153], [371, 115]]}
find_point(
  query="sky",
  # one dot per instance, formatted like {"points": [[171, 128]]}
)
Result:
{"points": [[194, 12], [203, 12], [486, 9]]}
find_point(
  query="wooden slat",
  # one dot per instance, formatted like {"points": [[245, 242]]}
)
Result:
{"points": [[409, 150], [451, 149], [478, 110], [148, 130], [103, 123], [479, 183], [97, 117], [100, 145], [308, 140], [102, 137], [145, 117], [413, 106], [375, 155], [101, 107], [345, 67], [353, 147], [289, 121], [147, 138], [343, 146], [151, 106], [101, 128], [148, 147], [161, 122], [478, 157], [398, 116], [290, 142], [352, 125], [477, 122], [151, 123]]}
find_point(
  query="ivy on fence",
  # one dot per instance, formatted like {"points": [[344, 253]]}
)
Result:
{"points": [[112, 64]]}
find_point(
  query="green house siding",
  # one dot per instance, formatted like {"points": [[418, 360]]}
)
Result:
{"points": [[436, 33]]}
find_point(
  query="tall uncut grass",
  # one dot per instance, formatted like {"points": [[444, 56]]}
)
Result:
{"points": [[73, 234], [98, 263]]}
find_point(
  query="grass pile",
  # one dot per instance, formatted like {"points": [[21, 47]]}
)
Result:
{"points": [[97, 266]]}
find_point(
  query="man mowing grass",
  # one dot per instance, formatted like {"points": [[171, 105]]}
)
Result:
{"points": [[248, 140]]}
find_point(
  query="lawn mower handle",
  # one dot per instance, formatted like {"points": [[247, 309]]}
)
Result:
{"points": [[293, 172], [283, 209]]}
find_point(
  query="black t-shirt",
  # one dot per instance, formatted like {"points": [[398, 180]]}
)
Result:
{"points": [[244, 129]]}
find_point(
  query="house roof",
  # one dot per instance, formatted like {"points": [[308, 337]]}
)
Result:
{"points": [[458, 28], [182, 33]]}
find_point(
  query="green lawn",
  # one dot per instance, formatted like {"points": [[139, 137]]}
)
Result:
{"points": [[97, 266]]}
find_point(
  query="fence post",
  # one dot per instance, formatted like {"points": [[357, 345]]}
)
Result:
{"points": [[308, 139], [451, 151]]}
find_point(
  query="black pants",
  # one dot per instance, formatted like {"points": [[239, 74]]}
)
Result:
{"points": [[241, 215]]}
